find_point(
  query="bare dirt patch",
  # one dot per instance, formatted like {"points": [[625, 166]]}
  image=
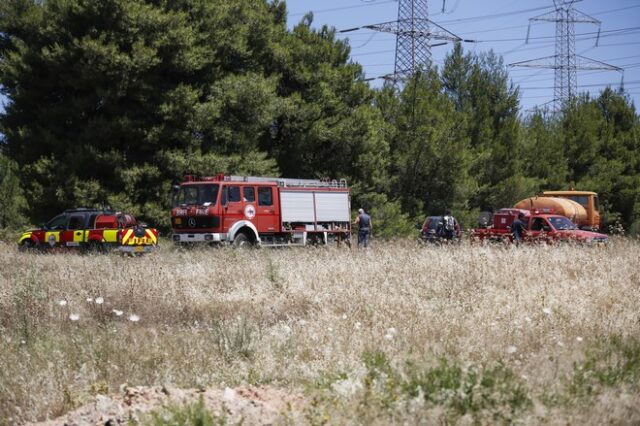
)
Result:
{"points": [[246, 404]]}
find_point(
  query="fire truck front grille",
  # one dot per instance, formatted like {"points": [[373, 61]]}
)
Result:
{"points": [[195, 222]]}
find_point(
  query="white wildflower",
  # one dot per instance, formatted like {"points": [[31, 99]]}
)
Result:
{"points": [[560, 344], [89, 299], [117, 312], [346, 387], [579, 339], [391, 331], [62, 302], [134, 318], [344, 316], [74, 317], [99, 300], [357, 325], [388, 336], [547, 311], [228, 394], [527, 319], [512, 349]]}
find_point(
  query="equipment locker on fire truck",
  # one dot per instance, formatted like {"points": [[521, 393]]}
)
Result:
{"points": [[260, 210]]}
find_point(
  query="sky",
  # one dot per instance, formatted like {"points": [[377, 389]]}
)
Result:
{"points": [[500, 25]]}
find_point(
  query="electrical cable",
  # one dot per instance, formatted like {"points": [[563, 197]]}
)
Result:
{"points": [[336, 9]]}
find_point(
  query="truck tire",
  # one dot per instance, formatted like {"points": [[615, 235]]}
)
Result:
{"points": [[27, 245], [96, 247], [242, 240]]}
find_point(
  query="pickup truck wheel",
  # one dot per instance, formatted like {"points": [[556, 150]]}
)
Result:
{"points": [[96, 247], [27, 245]]}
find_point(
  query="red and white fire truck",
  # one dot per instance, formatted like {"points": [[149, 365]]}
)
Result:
{"points": [[265, 211]]}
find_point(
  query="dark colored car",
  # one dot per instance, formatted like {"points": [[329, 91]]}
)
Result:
{"points": [[431, 231]]}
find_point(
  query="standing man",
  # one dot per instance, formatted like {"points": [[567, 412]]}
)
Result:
{"points": [[518, 228], [448, 230], [365, 226]]}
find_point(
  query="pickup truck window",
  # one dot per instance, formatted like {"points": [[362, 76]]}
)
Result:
{"points": [[58, 222], [538, 223], [76, 222], [562, 223]]}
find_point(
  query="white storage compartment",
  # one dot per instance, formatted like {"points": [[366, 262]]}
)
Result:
{"points": [[296, 206], [332, 207]]}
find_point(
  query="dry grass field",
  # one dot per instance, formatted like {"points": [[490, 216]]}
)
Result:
{"points": [[401, 334]]}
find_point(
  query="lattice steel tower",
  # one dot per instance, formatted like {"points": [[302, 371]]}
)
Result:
{"points": [[565, 62], [414, 34]]}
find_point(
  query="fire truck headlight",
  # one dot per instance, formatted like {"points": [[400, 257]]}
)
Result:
{"points": [[176, 237]]}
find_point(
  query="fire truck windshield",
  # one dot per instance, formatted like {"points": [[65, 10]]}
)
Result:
{"points": [[202, 195]]}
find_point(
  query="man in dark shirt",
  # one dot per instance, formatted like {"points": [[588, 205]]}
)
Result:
{"points": [[518, 228], [364, 228]]}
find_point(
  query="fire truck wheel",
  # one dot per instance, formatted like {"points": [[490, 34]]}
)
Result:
{"points": [[242, 240]]}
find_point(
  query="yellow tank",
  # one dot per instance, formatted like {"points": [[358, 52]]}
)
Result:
{"points": [[562, 206]]}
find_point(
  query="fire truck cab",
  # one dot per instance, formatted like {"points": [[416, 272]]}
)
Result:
{"points": [[259, 210]]}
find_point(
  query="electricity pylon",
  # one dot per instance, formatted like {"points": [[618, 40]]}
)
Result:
{"points": [[565, 62], [414, 35]]}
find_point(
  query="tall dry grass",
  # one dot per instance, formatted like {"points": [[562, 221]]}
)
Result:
{"points": [[400, 333]]}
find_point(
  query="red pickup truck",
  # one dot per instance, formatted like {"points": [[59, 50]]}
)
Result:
{"points": [[93, 230], [541, 226]]}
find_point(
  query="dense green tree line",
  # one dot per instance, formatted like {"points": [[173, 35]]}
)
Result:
{"points": [[112, 101]]}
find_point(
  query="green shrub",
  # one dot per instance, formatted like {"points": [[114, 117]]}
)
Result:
{"points": [[194, 414]]}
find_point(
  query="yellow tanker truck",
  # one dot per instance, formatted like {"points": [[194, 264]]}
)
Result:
{"points": [[579, 206]]}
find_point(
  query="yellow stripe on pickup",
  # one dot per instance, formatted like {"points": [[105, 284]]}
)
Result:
{"points": [[52, 238], [110, 235], [126, 236], [151, 236], [24, 236]]}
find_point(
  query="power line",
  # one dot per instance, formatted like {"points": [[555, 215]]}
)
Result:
{"points": [[630, 83], [599, 34], [336, 9], [494, 16]]}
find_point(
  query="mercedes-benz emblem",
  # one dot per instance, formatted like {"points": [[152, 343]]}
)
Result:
{"points": [[192, 222]]}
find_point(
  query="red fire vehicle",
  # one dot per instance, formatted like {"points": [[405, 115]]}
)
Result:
{"points": [[541, 226], [91, 229], [260, 210]]}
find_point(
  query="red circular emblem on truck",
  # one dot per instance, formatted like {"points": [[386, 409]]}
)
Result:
{"points": [[249, 211]]}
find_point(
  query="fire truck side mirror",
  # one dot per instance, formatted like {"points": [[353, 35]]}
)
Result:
{"points": [[175, 190]]}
